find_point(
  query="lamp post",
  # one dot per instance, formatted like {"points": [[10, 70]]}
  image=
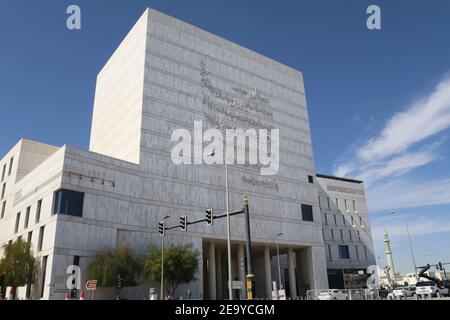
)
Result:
{"points": [[410, 246], [162, 260], [278, 260], [227, 203]]}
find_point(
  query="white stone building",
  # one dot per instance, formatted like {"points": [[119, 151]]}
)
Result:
{"points": [[71, 203]]}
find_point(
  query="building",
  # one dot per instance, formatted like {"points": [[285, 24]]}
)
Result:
{"points": [[346, 231], [166, 74]]}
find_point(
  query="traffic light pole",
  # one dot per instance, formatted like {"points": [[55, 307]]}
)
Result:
{"points": [[162, 267]]}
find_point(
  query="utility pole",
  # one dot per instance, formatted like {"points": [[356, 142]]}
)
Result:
{"points": [[248, 245]]}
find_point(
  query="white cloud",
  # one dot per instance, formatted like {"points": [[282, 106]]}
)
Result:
{"points": [[395, 151]]}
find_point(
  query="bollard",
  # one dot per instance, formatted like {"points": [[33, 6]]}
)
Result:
{"points": [[250, 287]]}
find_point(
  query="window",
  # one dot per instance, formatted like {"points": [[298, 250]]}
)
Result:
{"points": [[3, 190], [361, 221], [365, 252], [41, 238], [343, 220], [76, 260], [310, 179], [335, 220], [350, 235], [307, 212], [3, 209], [27, 218], [359, 236], [328, 202], [329, 252], [337, 203], [353, 221], [10, 166], [3, 172], [354, 206], [332, 234], [68, 202], [30, 235], [357, 252], [342, 234], [16, 228], [343, 252], [44, 271], [38, 211], [326, 219]]}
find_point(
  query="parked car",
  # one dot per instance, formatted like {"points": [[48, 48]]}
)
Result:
{"points": [[403, 292], [430, 287], [333, 294], [379, 291]]}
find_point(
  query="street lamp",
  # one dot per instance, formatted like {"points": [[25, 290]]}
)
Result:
{"points": [[278, 258], [410, 246], [227, 195], [162, 259]]}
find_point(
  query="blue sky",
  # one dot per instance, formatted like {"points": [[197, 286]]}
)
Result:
{"points": [[379, 101]]}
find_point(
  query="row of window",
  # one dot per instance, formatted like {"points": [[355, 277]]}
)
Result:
{"points": [[344, 252], [335, 217], [336, 203], [339, 235], [30, 236], [11, 162], [27, 216]]}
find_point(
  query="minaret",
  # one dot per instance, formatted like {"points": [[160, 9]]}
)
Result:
{"points": [[390, 261]]}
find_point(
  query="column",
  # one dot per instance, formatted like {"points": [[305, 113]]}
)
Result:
{"points": [[212, 270], [219, 274], [241, 269], [291, 268], [267, 272]]}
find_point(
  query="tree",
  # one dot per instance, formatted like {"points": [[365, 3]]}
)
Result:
{"points": [[18, 264], [180, 265], [108, 265]]}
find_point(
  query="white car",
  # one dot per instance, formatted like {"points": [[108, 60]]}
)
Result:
{"points": [[332, 294], [402, 292], [430, 287]]}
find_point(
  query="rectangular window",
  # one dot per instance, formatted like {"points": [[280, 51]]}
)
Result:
{"points": [[307, 212], [337, 204], [365, 252], [41, 238], [3, 190], [30, 234], [354, 206], [68, 202], [343, 252], [3, 209], [353, 221], [357, 252], [350, 235], [76, 260], [10, 166], [342, 234], [38, 211], [326, 219], [335, 220], [329, 253], [346, 207], [332, 234], [44, 271], [3, 172], [328, 202], [310, 179], [16, 227], [343, 220], [27, 218], [359, 236], [360, 221]]}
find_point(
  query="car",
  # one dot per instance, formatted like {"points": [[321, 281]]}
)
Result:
{"points": [[379, 291], [430, 287], [333, 294], [403, 292]]}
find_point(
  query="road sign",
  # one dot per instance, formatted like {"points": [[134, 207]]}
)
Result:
{"points": [[91, 285]]}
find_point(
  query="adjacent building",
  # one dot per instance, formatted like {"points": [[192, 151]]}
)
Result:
{"points": [[166, 74]]}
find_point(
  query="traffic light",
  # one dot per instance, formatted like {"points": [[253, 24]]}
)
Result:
{"points": [[440, 266], [209, 216], [183, 223], [161, 228], [119, 282]]}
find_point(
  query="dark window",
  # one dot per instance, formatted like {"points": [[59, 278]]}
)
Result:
{"points": [[365, 252], [354, 206], [3, 209], [3, 172], [328, 202], [335, 220], [41, 238], [310, 179], [337, 203], [357, 252], [359, 236], [10, 165], [38, 211], [332, 234], [343, 252], [27, 218], [350, 235], [44, 271], [342, 234], [68, 202], [3, 190], [16, 228], [307, 212], [326, 219], [329, 253], [76, 260], [30, 234]]}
